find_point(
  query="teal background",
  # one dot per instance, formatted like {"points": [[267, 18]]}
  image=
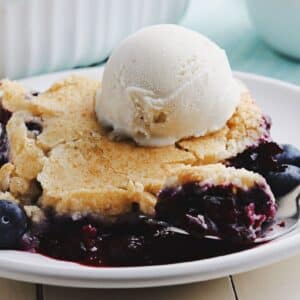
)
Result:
{"points": [[228, 24]]}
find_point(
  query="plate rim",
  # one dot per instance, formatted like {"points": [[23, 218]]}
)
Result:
{"points": [[65, 273]]}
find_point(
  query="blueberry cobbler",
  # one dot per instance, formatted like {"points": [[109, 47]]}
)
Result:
{"points": [[101, 185]]}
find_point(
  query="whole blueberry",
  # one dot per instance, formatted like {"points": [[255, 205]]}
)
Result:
{"points": [[13, 223], [285, 181], [290, 155]]}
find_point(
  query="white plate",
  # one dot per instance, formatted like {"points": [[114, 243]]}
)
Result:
{"points": [[278, 99]]}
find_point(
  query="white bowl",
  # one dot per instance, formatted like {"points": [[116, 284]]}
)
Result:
{"points": [[278, 23], [39, 36]]}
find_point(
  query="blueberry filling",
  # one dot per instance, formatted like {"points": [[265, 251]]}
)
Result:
{"points": [[35, 127], [135, 239], [132, 240], [225, 211], [91, 241]]}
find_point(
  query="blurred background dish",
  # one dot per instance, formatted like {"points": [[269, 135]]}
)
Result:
{"points": [[227, 22], [40, 36], [278, 24]]}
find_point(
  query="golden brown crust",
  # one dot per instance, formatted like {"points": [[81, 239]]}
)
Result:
{"points": [[244, 129], [82, 170], [8, 196], [95, 170], [25, 155], [5, 176], [217, 174]]}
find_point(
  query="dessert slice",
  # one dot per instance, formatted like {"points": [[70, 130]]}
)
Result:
{"points": [[232, 204]]}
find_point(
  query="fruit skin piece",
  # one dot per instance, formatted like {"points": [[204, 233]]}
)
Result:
{"points": [[289, 156], [284, 181], [13, 224]]}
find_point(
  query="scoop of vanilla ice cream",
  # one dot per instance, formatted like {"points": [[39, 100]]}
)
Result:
{"points": [[165, 83]]}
